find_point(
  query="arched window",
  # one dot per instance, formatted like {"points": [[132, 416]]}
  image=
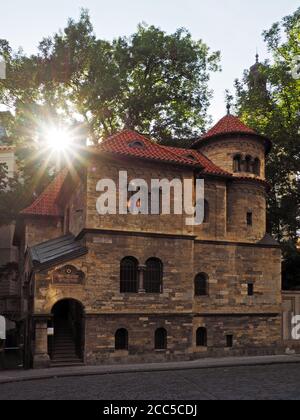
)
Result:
{"points": [[256, 167], [121, 339], [153, 276], [206, 212], [201, 337], [237, 163], [129, 275], [201, 285], [161, 339], [248, 164]]}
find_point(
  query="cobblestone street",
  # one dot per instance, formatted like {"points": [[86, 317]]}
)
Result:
{"points": [[257, 382]]}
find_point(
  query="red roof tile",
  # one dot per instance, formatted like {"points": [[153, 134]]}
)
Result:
{"points": [[45, 204], [127, 143], [227, 125], [232, 125], [131, 144]]}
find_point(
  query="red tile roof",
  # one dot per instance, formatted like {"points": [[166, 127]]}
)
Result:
{"points": [[45, 204], [123, 144], [232, 125], [228, 125], [130, 144]]}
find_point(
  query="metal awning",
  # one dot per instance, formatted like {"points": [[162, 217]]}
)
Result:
{"points": [[56, 250]]}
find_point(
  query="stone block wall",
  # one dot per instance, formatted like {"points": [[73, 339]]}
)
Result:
{"points": [[252, 334], [243, 198], [100, 169], [100, 338], [223, 151], [230, 268], [42, 229]]}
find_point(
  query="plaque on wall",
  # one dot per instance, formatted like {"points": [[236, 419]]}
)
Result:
{"points": [[68, 275]]}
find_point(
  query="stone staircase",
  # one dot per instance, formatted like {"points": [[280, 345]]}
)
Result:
{"points": [[64, 346]]}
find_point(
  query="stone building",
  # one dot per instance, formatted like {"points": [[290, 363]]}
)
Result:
{"points": [[132, 288]]}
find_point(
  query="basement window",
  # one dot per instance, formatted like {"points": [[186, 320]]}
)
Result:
{"points": [[229, 341]]}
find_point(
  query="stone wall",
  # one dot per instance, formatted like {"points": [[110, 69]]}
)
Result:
{"points": [[100, 169], [230, 268], [216, 225], [42, 229], [223, 151], [100, 338], [252, 334], [100, 291], [243, 198]]}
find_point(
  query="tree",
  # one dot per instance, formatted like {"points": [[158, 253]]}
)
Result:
{"points": [[152, 82], [268, 99]]}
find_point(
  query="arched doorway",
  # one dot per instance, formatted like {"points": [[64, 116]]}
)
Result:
{"points": [[67, 344]]}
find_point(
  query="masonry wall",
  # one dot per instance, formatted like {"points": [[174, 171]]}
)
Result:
{"points": [[215, 192], [252, 335], [75, 209], [223, 151], [38, 230], [230, 268], [100, 291], [100, 338], [100, 169], [244, 197]]}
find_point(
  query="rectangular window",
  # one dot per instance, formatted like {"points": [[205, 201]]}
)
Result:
{"points": [[249, 219], [250, 289], [229, 341]]}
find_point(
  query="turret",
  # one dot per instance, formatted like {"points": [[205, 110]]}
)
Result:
{"points": [[241, 151]]}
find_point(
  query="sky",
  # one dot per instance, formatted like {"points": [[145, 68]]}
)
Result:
{"points": [[232, 26]]}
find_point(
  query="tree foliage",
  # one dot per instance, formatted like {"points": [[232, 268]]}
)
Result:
{"points": [[268, 99], [152, 82]]}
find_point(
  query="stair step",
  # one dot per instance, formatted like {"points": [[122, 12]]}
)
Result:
{"points": [[65, 364], [67, 360]]}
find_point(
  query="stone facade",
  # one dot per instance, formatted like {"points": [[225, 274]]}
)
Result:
{"points": [[232, 253]]}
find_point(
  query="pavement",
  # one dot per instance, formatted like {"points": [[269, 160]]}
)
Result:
{"points": [[211, 363]]}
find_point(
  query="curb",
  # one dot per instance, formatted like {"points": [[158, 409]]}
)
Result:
{"points": [[147, 369]]}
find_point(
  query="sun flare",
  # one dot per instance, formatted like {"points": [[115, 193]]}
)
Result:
{"points": [[58, 139]]}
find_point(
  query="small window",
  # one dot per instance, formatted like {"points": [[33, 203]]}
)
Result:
{"points": [[137, 144], [129, 275], [121, 339], [192, 157], [250, 289], [229, 341], [161, 339], [201, 337], [201, 285], [249, 219]]}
